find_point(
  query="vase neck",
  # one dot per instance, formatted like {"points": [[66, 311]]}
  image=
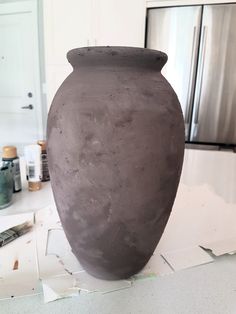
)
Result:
{"points": [[117, 56]]}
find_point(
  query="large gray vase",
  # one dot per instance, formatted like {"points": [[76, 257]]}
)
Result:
{"points": [[115, 148]]}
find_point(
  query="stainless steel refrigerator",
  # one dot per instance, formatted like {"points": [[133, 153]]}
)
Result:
{"points": [[200, 42]]}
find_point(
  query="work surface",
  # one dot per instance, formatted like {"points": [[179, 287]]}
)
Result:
{"points": [[207, 289], [210, 288]]}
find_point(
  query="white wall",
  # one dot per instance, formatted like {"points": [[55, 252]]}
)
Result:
{"points": [[78, 23]]}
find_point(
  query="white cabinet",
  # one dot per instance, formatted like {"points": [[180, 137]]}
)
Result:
{"points": [[71, 24], [67, 25], [119, 23]]}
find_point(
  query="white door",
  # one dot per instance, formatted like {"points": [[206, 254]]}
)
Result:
{"points": [[20, 107]]}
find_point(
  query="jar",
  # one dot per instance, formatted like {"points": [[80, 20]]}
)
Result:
{"points": [[10, 159], [6, 186]]}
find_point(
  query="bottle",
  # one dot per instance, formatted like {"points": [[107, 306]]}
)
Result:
{"points": [[44, 161], [6, 186], [10, 159], [33, 166]]}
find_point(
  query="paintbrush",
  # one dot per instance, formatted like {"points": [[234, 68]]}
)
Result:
{"points": [[15, 232]]}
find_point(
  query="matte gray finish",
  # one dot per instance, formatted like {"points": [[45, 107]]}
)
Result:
{"points": [[115, 150], [214, 113], [175, 31]]}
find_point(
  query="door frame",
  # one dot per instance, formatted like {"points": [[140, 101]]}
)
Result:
{"points": [[31, 6]]}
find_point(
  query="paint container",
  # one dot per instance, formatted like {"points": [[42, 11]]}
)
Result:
{"points": [[6, 186], [44, 161], [10, 159], [33, 166]]}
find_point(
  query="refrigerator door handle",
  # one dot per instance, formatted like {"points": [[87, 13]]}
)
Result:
{"points": [[190, 83], [204, 37]]}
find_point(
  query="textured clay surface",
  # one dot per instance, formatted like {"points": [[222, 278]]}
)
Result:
{"points": [[115, 149]]}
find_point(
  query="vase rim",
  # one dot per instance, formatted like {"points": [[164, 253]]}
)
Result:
{"points": [[117, 56]]}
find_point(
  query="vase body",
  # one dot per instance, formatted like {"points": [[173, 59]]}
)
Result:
{"points": [[115, 149]]}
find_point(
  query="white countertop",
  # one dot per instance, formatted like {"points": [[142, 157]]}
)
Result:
{"points": [[25, 200], [208, 289]]}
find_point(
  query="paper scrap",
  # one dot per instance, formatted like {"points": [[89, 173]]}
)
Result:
{"points": [[186, 258], [59, 287], [199, 216], [63, 251], [225, 246], [47, 218], [18, 264], [48, 265]]}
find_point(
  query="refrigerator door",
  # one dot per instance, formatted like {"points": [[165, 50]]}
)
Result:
{"points": [[214, 114], [176, 31]]}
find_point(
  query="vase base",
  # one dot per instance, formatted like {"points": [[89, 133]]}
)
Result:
{"points": [[109, 275]]}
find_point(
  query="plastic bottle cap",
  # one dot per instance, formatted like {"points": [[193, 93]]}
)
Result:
{"points": [[42, 143], [9, 152]]}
